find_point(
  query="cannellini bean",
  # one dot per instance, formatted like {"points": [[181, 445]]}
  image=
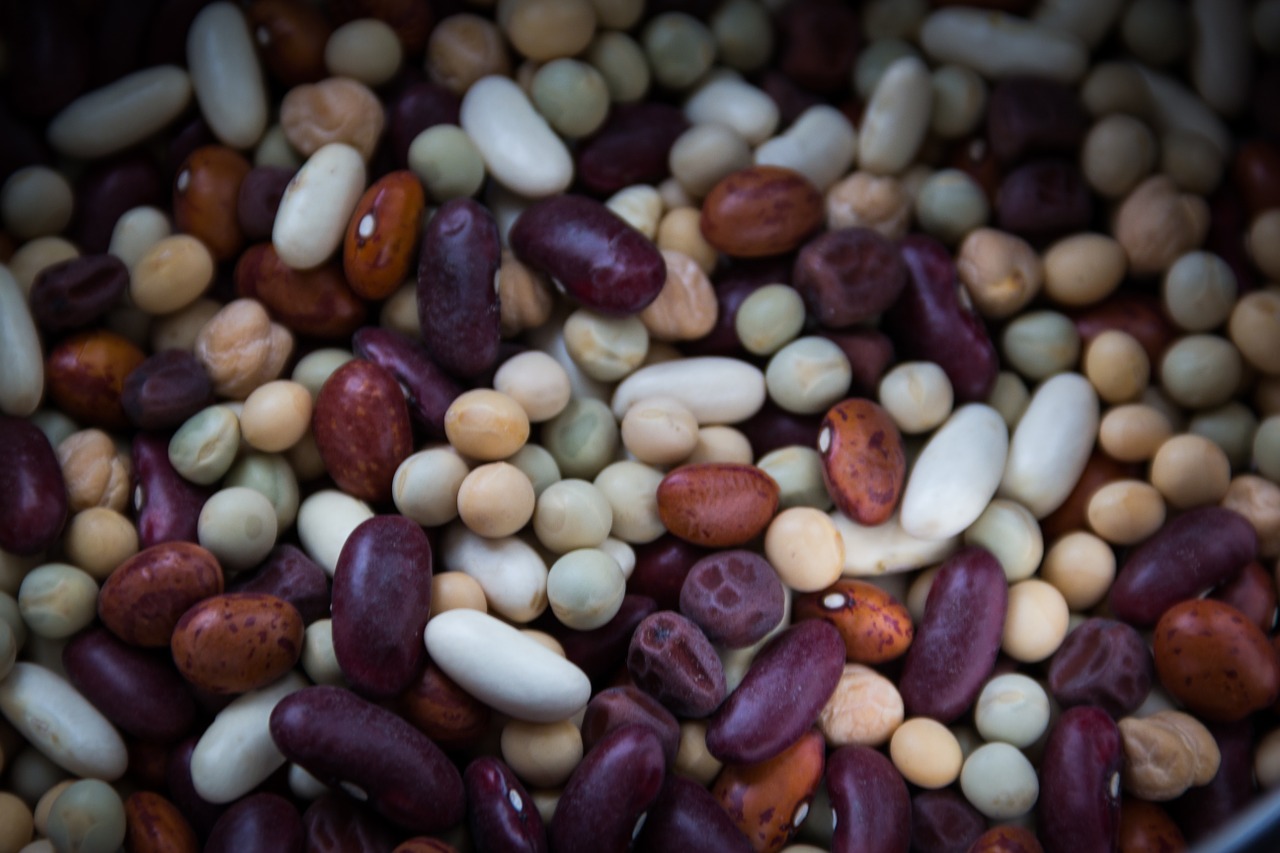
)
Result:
{"points": [[715, 389], [998, 45], [956, 474], [21, 358], [317, 205], [887, 548], [1051, 444], [734, 103], [122, 113], [511, 573], [821, 145], [896, 118], [61, 723], [325, 520], [226, 76], [518, 146]]}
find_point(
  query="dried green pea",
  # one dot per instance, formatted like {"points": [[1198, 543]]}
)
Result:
{"points": [[572, 96], [204, 448], [582, 439]]}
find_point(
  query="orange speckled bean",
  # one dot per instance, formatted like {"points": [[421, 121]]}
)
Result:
{"points": [[382, 237], [717, 504], [237, 641], [876, 627], [760, 211], [768, 801], [863, 463], [154, 825], [206, 193]]}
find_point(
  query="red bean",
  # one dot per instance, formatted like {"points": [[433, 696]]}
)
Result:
{"points": [[417, 107], [78, 292], [673, 661], [615, 707], [1079, 805], [600, 652], [773, 427], [148, 593], [259, 823], [289, 574], [687, 817], [334, 824], [870, 801], [943, 822], [500, 813], [165, 390], [1043, 200], [1104, 663], [735, 597], [168, 507], [317, 302], [1007, 838], [259, 199], [429, 389], [608, 793], [661, 568], [631, 148], [33, 495], [870, 353], [1034, 115], [849, 276], [361, 425]]}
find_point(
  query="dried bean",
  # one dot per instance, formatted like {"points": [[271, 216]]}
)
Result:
{"points": [[614, 707], [769, 801], [316, 302], [875, 626], [500, 813], [717, 504], [85, 373], [257, 824], [1103, 663], [673, 661], [33, 494], [165, 390], [334, 824], [686, 817], [630, 148], [216, 650], [609, 792], [735, 597], [291, 575], [943, 821], [1079, 806], [761, 211], [430, 390], [361, 425], [76, 293], [870, 801]]}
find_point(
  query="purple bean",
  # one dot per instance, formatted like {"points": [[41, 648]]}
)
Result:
{"points": [[500, 813], [661, 567], [781, 695], [1033, 115], [33, 495], [1043, 200], [381, 598], [943, 822], [870, 800], [870, 353], [259, 199], [1203, 809], [601, 651], [631, 148], [260, 822], [848, 276], [429, 390], [77, 293], [289, 574], [673, 661], [167, 506], [334, 824], [614, 707], [416, 108], [1105, 663], [602, 261], [735, 597], [773, 427], [457, 302], [1079, 806], [958, 639], [1199, 549], [165, 390], [109, 189], [372, 754], [608, 793], [817, 44], [687, 817], [48, 61], [200, 812]]}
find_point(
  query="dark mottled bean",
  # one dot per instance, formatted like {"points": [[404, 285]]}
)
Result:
{"points": [[200, 812], [167, 506], [33, 494], [1079, 805], [1033, 115], [334, 824], [818, 41], [289, 574], [372, 754], [500, 813], [673, 661], [109, 189], [1147, 826], [442, 710], [768, 801], [1104, 663], [602, 261], [1203, 809], [615, 707], [849, 276], [802, 664], [165, 390], [416, 108], [429, 389], [870, 800], [944, 822], [457, 302], [1138, 314], [687, 817], [147, 594], [601, 651], [958, 639], [291, 38], [77, 292], [259, 199], [48, 60], [1253, 593], [661, 568], [1044, 199], [608, 793], [381, 598], [931, 321], [260, 822], [361, 426], [318, 302], [631, 148], [236, 642], [138, 690], [735, 597]]}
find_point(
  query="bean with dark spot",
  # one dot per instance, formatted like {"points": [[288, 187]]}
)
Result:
{"points": [[673, 661], [1079, 805], [735, 597], [500, 813]]}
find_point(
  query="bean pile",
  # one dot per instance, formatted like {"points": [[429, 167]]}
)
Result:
{"points": [[598, 425]]}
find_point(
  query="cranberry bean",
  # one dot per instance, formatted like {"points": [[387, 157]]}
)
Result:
{"points": [[1253, 593], [615, 707], [717, 504], [768, 801], [147, 594], [1033, 115], [601, 651], [78, 292], [316, 302], [500, 813], [237, 641], [167, 506], [1204, 809], [1079, 806], [289, 574], [932, 322], [430, 390], [1104, 663], [686, 817], [608, 793], [870, 801], [206, 192], [602, 262], [417, 107], [818, 42], [442, 710], [372, 754], [33, 494], [153, 824], [735, 597], [109, 189], [631, 147], [361, 425], [85, 376], [1199, 549], [137, 690], [382, 236], [944, 822], [760, 211], [673, 661], [259, 823], [876, 627], [165, 390], [661, 568], [1007, 838], [457, 302], [849, 276], [292, 36], [334, 824], [959, 637], [259, 199], [1043, 200], [863, 463]]}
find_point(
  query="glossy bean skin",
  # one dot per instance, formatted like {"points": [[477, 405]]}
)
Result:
{"points": [[958, 639], [33, 493], [760, 211], [146, 595], [602, 262], [870, 800], [1007, 838], [108, 189], [205, 195], [293, 39], [289, 574], [766, 800], [599, 652], [381, 598], [259, 199], [631, 147], [340, 738], [849, 276], [673, 661], [717, 504], [661, 568], [153, 824], [335, 824], [1079, 805], [167, 506], [237, 641], [317, 302], [863, 463], [802, 664], [1253, 593], [165, 390], [1147, 826], [417, 107], [430, 389], [1202, 810], [611, 788], [944, 821], [735, 597], [875, 626], [500, 813], [686, 817], [1044, 199], [457, 302], [85, 375], [614, 707], [257, 824], [382, 237], [77, 292], [1104, 663], [442, 710], [361, 425]]}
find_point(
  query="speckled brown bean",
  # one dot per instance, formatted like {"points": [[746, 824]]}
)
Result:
{"points": [[717, 504], [500, 813], [608, 793], [361, 425], [85, 373], [382, 236], [1146, 826], [144, 598], [1079, 805], [761, 210], [442, 710], [33, 494], [237, 641], [876, 627], [428, 389], [76, 293], [673, 661], [167, 507], [849, 276], [870, 801], [863, 463], [206, 193], [153, 824], [317, 302], [768, 801]]}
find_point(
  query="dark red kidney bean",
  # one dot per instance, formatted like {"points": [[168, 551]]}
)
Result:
{"points": [[870, 352], [77, 293], [773, 427], [1199, 549], [849, 276], [602, 261], [1044, 199], [818, 41], [348, 742], [109, 189], [318, 302], [631, 148], [361, 426], [457, 302], [958, 639], [661, 568], [289, 574], [429, 389], [687, 817], [608, 793], [931, 321], [48, 61], [1228, 219], [138, 690], [615, 707], [599, 652], [334, 824], [942, 821], [1079, 805], [1138, 314], [200, 812], [1203, 809], [1034, 115], [673, 661], [1253, 593], [381, 598], [165, 390], [1104, 663], [802, 664], [417, 107], [735, 597], [259, 199], [870, 801], [500, 813], [789, 98], [291, 36], [33, 495], [1007, 838], [167, 507], [260, 822]]}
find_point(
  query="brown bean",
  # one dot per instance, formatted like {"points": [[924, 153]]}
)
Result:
{"points": [[717, 505], [145, 597], [237, 641], [863, 463], [761, 210]]}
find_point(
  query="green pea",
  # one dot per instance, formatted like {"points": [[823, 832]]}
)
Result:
{"points": [[585, 588], [57, 599], [448, 162], [769, 319], [87, 818], [1231, 427], [680, 49], [204, 447], [950, 204], [743, 33], [582, 438], [572, 96], [1040, 344]]}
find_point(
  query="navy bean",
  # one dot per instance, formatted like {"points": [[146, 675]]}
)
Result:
{"points": [[735, 597], [167, 506], [869, 798], [428, 389], [943, 822], [609, 792], [500, 813], [77, 293], [334, 824], [631, 148], [289, 574], [600, 651], [615, 707], [673, 661], [1079, 805], [687, 817], [33, 494], [260, 822], [1105, 663], [848, 276], [165, 390]]}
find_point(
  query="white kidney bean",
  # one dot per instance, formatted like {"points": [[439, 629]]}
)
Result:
{"points": [[1051, 444], [821, 145], [956, 473], [325, 520], [896, 118], [998, 45], [122, 113], [226, 75], [21, 358], [511, 573], [717, 390], [518, 146], [317, 204], [735, 103], [1221, 61], [61, 723], [887, 548], [1087, 20]]}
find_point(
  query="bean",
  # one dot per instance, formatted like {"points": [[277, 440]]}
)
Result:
{"points": [[542, 754], [673, 661], [154, 824], [1207, 808], [256, 824], [76, 293], [612, 789], [1000, 45], [603, 651], [585, 588], [431, 391], [85, 376], [943, 820], [685, 816], [956, 474], [165, 390], [361, 424], [512, 574], [1012, 708], [870, 801], [143, 102], [1041, 482], [1252, 593], [1080, 780], [614, 707], [1029, 116], [735, 597], [1147, 824], [53, 717], [442, 710], [215, 651], [22, 382], [632, 145], [926, 753], [34, 507], [769, 801], [760, 211], [225, 71], [500, 812], [717, 504], [291, 575], [715, 389], [87, 816], [896, 117], [107, 190], [875, 627], [334, 823], [519, 148]]}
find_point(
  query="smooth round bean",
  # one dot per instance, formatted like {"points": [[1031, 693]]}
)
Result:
{"points": [[486, 425], [572, 514], [57, 600], [426, 486], [999, 781], [1199, 291], [659, 431], [917, 395], [87, 816], [1189, 471], [926, 753], [365, 49], [495, 500], [447, 161], [805, 548], [585, 588], [1201, 371], [1117, 366], [1012, 708]]}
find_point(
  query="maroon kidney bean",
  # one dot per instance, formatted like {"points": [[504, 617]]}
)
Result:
{"points": [[1033, 115], [109, 189], [1104, 663], [165, 390], [346, 741], [802, 664], [1044, 199], [673, 661], [870, 353], [1228, 219], [334, 824], [457, 302], [33, 495], [167, 507], [259, 199], [1199, 549], [76, 293], [932, 321], [381, 598], [773, 427], [608, 793], [417, 107], [500, 813], [818, 41], [958, 639], [735, 597], [1079, 805], [602, 261], [661, 568], [429, 389], [848, 276], [1203, 809], [789, 98], [262, 822], [870, 801], [1253, 593], [599, 652], [1138, 314], [289, 574], [200, 812], [734, 282], [138, 690], [615, 707], [361, 426], [631, 148], [942, 821], [48, 61], [687, 817]]}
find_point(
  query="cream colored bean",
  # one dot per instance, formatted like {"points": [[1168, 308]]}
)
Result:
{"points": [[926, 753], [1083, 269], [537, 382], [744, 34], [998, 45], [621, 61], [239, 526], [808, 375], [35, 201], [805, 549], [447, 161], [1063, 415], [896, 118], [1036, 621], [736, 104], [1199, 291], [874, 59], [798, 472], [632, 491], [679, 47], [640, 206], [22, 358], [1254, 328], [659, 431], [122, 113], [276, 415], [681, 230], [426, 486], [365, 49], [1220, 58], [316, 205], [864, 710], [1012, 708], [325, 520], [35, 256], [769, 318], [538, 465], [136, 231], [582, 439], [1125, 512], [1040, 344], [917, 395], [606, 348], [511, 573], [272, 476], [205, 446], [686, 307], [999, 781], [720, 444], [495, 500], [878, 202], [572, 514], [1133, 432], [56, 600], [226, 76], [1201, 371], [820, 144], [717, 390], [98, 540], [1231, 427], [585, 588], [1157, 224], [704, 154], [486, 425], [1258, 500], [1081, 566], [887, 548], [956, 474], [319, 661], [1010, 532], [518, 146], [1191, 471], [1117, 366], [61, 723], [1000, 271], [455, 590], [959, 101], [543, 755]]}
